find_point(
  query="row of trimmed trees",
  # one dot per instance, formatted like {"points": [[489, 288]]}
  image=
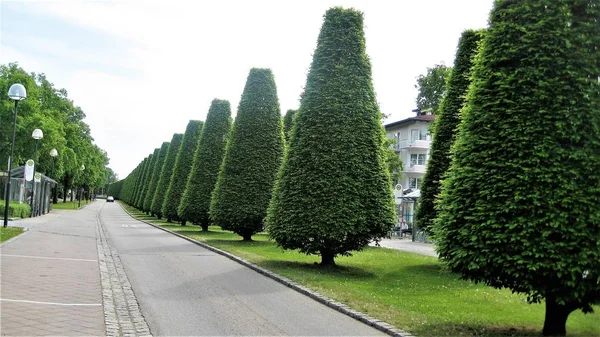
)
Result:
{"points": [[326, 164], [515, 197]]}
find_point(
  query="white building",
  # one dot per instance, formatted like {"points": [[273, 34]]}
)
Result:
{"points": [[412, 145]]}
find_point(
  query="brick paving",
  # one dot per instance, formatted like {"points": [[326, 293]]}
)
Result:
{"points": [[63, 278]]}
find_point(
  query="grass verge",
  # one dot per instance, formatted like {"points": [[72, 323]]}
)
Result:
{"points": [[9, 233], [69, 205], [415, 293]]}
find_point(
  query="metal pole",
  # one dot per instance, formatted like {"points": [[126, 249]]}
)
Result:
{"points": [[32, 214], [12, 149]]}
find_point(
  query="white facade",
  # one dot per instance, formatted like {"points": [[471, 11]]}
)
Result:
{"points": [[412, 145]]}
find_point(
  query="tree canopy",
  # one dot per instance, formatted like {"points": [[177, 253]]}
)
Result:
{"points": [[445, 126], [195, 204], [432, 87], [519, 207], [252, 158], [333, 193], [49, 109]]}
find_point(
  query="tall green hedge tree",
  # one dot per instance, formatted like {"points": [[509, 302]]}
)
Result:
{"points": [[143, 188], [519, 208], [288, 121], [155, 176], [445, 126], [334, 192], [195, 204], [165, 175], [252, 157], [181, 171], [140, 185]]}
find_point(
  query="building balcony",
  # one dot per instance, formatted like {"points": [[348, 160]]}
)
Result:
{"points": [[417, 144], [416, 169]]}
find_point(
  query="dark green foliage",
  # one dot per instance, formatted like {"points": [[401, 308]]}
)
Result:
{"points": [[195, 204], [116, 188], [138, 202], [155, 176], [520, 205], [288, 123], [165, 175], [445, 126], [334, 193], [252, 158], [146, 183], [183, 165], [140, 183], [432, 88]]}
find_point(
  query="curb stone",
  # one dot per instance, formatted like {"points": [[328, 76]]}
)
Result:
{"points": [[122, 314], [375, 323]]}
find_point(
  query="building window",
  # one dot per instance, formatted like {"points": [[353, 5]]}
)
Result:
{"points": [[418, 134], [417, 159], [414, 183]]}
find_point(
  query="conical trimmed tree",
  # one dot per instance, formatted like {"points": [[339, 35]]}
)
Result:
{"points": [[183, 165], [287, 123], [252, 158], [165, 175], [445, 126], [195, 204], [153, 179], [334, 193], [146, 182], [519, 208]]}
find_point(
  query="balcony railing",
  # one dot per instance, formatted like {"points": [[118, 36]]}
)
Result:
{"points": [[417, 144], [416, 168]]}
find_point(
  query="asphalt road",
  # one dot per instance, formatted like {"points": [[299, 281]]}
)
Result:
{"points": [[184, 289]]}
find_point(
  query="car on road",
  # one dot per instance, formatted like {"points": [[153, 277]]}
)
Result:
{"points": [[110, 199]]}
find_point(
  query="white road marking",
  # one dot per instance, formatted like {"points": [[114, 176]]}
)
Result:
{"points": [[53, 303], [48, 258]]}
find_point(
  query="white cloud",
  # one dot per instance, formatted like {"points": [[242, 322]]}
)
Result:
{"points": [[185, 53]]}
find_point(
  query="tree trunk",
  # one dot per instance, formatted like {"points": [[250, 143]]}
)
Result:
{"points": [[168, 219], [205, 228], [159, 215], [327, 258], [555, 323], [183, 222], [247, 236]]}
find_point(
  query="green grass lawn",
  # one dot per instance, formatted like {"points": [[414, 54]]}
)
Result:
{"points": [[9, 233], [412, 292], [69, 205]]}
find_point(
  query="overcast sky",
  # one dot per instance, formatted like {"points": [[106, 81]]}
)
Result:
{"points": [[140, 70]]}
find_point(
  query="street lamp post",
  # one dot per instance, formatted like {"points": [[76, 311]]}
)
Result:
{"points": [[80, 188], [17, 93], [37, 135], [54, 154]]}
